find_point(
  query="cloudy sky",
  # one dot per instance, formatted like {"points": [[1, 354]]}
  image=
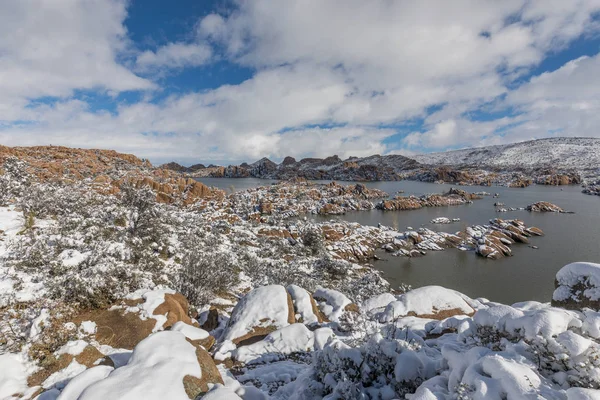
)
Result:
{"points": [[226, 81]]}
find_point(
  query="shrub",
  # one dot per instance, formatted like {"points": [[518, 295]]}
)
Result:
{"points": [[312, 238], [204, 275], [14, 180], [351, 373]]}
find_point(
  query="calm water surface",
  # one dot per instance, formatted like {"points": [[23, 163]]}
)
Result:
{"points": [[527, 275]]}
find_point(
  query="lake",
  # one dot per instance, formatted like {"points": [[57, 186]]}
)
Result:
{"points": [[527, 275]]}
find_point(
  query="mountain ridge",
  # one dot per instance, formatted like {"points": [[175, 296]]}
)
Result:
{"points": [[541, 157]]}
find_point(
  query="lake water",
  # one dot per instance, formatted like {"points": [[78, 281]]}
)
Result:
{"points": [[527, 275]]}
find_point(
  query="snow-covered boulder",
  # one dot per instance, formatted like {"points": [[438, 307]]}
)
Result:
{"points": [[260, 312], [333, 303], [433, 302], [305, 306], [578, 286], [293, 338], [163, 366], [198, 336], [377, 303]]}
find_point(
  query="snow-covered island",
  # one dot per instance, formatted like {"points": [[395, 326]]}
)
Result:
{"points": [[122, 281]]}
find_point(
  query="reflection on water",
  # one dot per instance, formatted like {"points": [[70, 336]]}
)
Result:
{"points": [[527, 275]]}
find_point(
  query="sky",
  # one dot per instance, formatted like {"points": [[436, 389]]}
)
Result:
{"points": [[229, 81]]}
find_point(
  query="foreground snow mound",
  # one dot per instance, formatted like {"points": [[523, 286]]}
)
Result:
{"points": [[261, 311], [433, 302], [578, 286], [163, 366]]}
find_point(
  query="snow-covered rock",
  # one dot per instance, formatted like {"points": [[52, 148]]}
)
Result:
{"points": [[428, 302], [332, 303], [290, 339], [304, 305], [578, 286], [261, 311], [544, 206], [163, 366]]}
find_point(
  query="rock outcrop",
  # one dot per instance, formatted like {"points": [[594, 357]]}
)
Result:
{"points": [[544, 206], [452, 198]]}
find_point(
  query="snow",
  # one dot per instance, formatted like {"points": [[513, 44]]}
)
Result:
{"points": [[583, 394], [334, 303], [290, 339], [497, 377], [427, 300], [11, 221], [190, 332], [37, 325], [377, 303], [88, 327], [586, 273], [81, 382], [72, 258], [303, 304], [591, 323], [73, 347], [221, 393], [60, 378], [13, 375], [573, 343], [264, 306], [546, 322], [155, 371]]}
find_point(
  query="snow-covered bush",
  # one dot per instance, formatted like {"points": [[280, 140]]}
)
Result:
{"points": [[313, 239], [145, 221], [14, 180], [205, 273], [380, 368]]}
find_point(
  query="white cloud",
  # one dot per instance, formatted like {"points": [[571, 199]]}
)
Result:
{"points": [[353, 65], [174, 55], [51, 48]]}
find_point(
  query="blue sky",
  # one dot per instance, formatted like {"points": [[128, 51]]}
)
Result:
{"points": [[226, 81]]}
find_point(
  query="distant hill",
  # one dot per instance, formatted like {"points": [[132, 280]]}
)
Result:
{"points": [[556, 153], [373, 168]]}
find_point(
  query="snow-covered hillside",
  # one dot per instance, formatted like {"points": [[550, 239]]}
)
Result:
{"points": [[577, 153]]}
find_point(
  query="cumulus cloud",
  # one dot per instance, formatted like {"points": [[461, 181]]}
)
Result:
{"points": [[53, 48], [330, 77]]}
